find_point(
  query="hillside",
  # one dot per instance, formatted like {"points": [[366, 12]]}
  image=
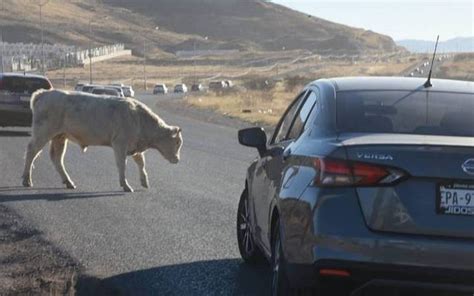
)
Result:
{"points": [[262, 24], [242, 24]]}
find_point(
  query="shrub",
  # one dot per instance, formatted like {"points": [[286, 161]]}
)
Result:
{"points": [[259, 84], [293, 82]]}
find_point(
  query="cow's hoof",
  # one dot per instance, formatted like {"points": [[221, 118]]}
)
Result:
{"points": [[128, 189], [145, 184], [27, 183], [70, 185]]}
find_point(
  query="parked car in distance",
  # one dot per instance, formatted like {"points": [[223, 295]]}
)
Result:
{"points": [[15, 95], [217, 85], [88, 88], [228, 83], [109, 91], [197, 87], [365, 182], [118, 89], [79, 86], [180, 88], [117, 84], [160, 89], [128, 91]]}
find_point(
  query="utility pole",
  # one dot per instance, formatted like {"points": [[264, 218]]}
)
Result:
{"points": [[144, 64], [194, 58], [90, 50], [91, 21], [42, 3], [145, 87], [196, 55], [1, 38], [3, 49], [64, 69]]}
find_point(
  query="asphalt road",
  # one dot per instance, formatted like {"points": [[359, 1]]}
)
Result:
{"points": [[176, 238], [426, 69]]}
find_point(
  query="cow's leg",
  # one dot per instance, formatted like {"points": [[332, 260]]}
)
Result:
{"points": [[57, 151], [34, 148], [140, 160], [121, 160]]}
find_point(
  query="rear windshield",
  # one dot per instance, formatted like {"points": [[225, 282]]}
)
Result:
{"points": [[416, 112], [23, 85], [87, 88]]}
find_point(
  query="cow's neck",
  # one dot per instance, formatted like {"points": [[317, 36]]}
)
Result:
{"points": [[149, 137]]}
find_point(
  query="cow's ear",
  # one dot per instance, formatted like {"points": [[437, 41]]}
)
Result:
{"points": [[175, 131]]}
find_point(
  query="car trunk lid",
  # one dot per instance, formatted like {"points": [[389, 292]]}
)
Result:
{"points": [[437, 197]]}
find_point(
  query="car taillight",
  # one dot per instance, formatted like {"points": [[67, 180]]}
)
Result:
{"points": [[336, 172]]}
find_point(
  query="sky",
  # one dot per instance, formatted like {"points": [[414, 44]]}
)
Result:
{"points": [[403, 19]]}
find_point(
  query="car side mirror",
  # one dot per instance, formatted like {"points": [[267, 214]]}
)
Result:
{"points": [[254, 137]]}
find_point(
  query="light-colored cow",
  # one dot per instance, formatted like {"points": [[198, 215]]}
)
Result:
{"points": [[126, 125]]}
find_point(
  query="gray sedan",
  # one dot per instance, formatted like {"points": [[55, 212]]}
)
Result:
{"points": [[365, 182], [15, 95]]}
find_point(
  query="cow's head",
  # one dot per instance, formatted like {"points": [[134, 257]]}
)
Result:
{"points": [[170, 145]]}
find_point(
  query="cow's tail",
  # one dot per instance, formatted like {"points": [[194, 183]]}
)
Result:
{"points": [[35, 97]]}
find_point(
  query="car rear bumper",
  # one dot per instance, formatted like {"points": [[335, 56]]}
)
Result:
{"points": [[327, 229], [362, 276], [12, 117]]}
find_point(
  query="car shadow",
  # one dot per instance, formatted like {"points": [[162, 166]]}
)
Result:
{"points": [[9, 133], [56, 196], [214, 277]]}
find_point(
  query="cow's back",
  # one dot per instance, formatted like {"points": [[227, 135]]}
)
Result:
{"points": [[85, 118]]}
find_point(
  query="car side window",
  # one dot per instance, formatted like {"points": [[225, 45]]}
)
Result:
{"points": [[302, 117], [285, 124]]}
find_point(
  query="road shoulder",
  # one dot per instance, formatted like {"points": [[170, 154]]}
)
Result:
{"points": [[29, 265]]}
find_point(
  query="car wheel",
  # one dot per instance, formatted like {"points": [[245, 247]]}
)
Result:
{"points": [[249, 251], [280, 284]]}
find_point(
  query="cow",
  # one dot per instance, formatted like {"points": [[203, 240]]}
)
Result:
{"points": [[125, 124]]}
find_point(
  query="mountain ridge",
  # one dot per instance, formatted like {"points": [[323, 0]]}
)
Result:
{"points": [[457, 44]]}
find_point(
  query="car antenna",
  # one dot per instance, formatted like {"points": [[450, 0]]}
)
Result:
{"points": [[428, 82]]}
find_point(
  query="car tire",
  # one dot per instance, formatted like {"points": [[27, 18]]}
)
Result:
{"points": [[281, 286], [249, 250]]}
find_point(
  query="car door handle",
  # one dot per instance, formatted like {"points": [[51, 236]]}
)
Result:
{"points": [[286, 154]]}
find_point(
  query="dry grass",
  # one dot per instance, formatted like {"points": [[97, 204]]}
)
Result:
{"points": [[130, 70], [267, 106], [460, 67], [364, 68], [263, 107], [260, 107]]}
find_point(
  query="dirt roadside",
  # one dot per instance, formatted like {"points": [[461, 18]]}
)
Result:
{"points": [[29, 265]]}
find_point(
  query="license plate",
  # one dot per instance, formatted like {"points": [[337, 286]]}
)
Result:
{"points": [[25, 98], [455, 199]]}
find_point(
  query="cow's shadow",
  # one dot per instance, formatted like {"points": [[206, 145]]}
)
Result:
{"points": [[10, 133], [48, 196], [214, 277]]}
